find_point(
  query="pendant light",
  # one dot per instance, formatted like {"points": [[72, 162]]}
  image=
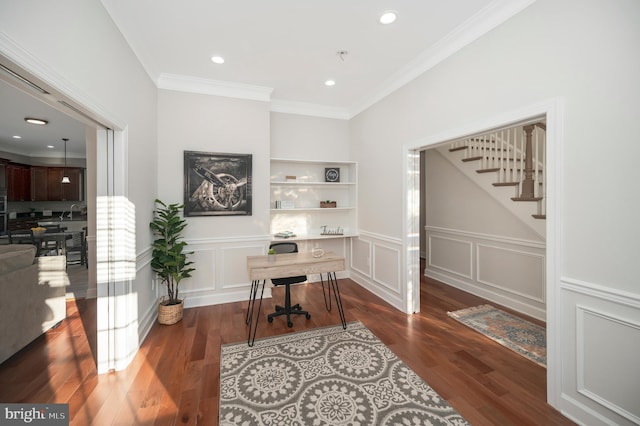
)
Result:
{"points": [[65, 178]]}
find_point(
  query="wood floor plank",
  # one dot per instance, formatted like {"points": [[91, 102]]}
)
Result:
{"points": [[174, 377]]}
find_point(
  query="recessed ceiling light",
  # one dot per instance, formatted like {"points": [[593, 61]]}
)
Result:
{"points": [[50, 146], [330, 83], [217, 59], [17, 137], [388, 17], [35, 120]]}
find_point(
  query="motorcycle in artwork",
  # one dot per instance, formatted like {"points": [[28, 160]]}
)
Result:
{"points": [[217, 184]]}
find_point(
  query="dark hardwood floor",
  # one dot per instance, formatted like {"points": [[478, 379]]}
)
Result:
{"points": [[174, 378]]}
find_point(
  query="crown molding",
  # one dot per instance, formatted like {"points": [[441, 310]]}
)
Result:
{"points": [[305, 108], [182, 83], [488, 18]]}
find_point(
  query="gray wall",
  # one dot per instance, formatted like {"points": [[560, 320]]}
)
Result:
{"points": [[585, 52]]}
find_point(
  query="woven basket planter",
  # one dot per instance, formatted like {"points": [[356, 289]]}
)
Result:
{"points": [[329, 205], [170, 314]]}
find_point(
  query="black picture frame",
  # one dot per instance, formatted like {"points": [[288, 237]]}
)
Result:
{"points": [[332, 174], [217, 184]]}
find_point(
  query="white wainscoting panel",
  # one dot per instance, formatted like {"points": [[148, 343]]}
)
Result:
{"points": [[375, 265], [500, 267], [601, 335], [617, 389], [221, 275], [361, 254], [204, 276], [451, 255], [232, 264], [506, 271], [386, 267]]}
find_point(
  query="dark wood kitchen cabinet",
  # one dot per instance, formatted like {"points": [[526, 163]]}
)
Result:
{"points": [[18, 182], [39, 184], [50, 186]]}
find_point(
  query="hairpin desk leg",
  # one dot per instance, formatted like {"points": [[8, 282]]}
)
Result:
{"points": [[333, 282], [252, 297], [327, 302], [251, 339]]}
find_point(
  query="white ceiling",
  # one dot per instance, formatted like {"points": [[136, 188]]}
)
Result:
{"points": [[289, 47], [281, 51], [15, 106]]}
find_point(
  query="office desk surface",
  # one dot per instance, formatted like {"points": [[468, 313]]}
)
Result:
{"points": [[292, 264]]}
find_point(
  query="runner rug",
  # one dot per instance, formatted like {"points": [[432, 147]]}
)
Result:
{"points": [[519, 335], [326, 376]]}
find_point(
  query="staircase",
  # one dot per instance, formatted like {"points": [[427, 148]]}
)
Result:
{"points": [[510, 165]]}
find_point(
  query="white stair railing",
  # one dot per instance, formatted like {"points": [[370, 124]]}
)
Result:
{"points": [[506, 150]]}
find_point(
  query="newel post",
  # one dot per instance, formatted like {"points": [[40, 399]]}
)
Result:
{"points": [[528, 182]]}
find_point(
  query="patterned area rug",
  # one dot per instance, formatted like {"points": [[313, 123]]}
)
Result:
{"points": [[326, 376], [521, 336]]}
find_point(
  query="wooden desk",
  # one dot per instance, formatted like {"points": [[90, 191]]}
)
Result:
{"points": [[262, 268]]}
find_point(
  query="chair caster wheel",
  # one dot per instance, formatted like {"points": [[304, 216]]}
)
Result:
{"points": [[270, 319], [308, 316], [290, 324]]}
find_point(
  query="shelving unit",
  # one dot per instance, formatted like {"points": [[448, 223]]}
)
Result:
{"points": [[305, 217]]}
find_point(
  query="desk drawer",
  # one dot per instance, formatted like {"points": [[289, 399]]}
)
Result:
{"points": [[282, 271]]}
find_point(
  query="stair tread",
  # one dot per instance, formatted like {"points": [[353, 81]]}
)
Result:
{"points": [[495, 169], [472, 159], [458, 148], [539, 216], [513, 183], [526, 198]]}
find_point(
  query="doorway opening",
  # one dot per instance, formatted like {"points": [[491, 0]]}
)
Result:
{"points": [[552, 112]]}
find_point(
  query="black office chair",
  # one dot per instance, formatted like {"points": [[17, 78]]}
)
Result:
{"points": [[287, 309]]}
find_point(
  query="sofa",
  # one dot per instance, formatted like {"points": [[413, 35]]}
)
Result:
{"points": [[32, 295]]}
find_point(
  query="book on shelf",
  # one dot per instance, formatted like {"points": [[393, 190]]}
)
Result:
{"points": [[284, 234]]}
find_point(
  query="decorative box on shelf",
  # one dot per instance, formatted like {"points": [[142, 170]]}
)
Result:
{"points": [[328, 204]]}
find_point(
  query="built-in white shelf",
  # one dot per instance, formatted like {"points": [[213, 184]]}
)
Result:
{"points": [[303, 185], [312, 209], [316, 237]]}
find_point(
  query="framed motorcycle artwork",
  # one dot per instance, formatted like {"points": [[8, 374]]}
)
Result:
{"points": [[217, 184]]}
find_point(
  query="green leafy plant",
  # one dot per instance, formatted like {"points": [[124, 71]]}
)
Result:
{"points": [[168, 259], [271, 251]]}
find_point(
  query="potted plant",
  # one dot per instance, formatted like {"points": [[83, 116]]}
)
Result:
{"points": [[168, 259], [271, 255]]}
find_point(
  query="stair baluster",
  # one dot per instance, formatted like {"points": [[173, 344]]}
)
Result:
{"points": [[485, 152]]}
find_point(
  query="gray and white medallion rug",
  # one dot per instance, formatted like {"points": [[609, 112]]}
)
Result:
{"points": [[326, 376]]}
